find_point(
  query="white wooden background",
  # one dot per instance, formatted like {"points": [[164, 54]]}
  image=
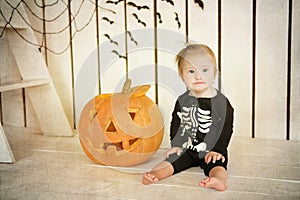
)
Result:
{"points": [[75, 70]]}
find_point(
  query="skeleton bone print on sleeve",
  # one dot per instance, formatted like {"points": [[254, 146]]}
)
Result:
{"points": [[194, 119]]}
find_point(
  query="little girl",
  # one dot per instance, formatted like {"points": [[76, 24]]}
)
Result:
{"points": [[201, 125]]}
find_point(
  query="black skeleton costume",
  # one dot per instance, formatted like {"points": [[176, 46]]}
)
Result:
{"points": [[202, 124]]}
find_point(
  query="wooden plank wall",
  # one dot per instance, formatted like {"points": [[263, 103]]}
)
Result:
{"points": [[256, 43]]}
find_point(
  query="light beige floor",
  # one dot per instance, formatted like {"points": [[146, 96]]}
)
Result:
{"points": [[56, 168]]}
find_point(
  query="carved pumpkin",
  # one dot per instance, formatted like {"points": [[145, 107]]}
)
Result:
{"points": [[121, 129]]}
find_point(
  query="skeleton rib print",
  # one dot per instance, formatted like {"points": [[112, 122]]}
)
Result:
{"points": [[194, 118]]}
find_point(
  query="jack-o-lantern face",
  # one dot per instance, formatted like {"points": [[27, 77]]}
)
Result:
{"points": [[121, 129]]}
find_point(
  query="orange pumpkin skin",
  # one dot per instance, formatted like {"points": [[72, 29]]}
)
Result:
{"points": [[122, 129]]}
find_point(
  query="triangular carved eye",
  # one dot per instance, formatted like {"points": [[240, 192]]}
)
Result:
{"points": [[132, 112], [132, 115], [111, 127]]}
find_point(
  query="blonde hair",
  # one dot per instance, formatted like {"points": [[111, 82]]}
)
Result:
{"points": [[194, 49]]}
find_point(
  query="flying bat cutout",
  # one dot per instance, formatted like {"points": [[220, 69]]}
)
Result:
{"points": [[200, 3], [108, 20], [119, 55], [114, 2], [170, 2], [131, 38], [138, 7], [159, 17], [177, 20], [138, 20], [110, 40]]}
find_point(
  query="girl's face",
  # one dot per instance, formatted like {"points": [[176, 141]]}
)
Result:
{"points": [[198, 74]]}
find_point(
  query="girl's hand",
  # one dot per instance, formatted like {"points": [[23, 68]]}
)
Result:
{"points": [[176, 150], [213, 156]]}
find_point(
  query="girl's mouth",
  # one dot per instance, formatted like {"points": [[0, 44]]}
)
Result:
{"points": [[199, 82]]}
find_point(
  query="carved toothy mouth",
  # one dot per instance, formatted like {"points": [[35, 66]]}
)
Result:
{"points": [[120, 146]]}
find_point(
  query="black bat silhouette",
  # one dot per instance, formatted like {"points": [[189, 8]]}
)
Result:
{"points": [[200, 3], [170, 2], [108, 20], [138, 7], [110, 40], [159, 17], [177, 20], [114, 2], [131, 38], [117, 53], [139, 21], [129, 33]]}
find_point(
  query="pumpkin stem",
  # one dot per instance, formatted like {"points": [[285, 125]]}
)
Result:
{"points": [[126, 86]]}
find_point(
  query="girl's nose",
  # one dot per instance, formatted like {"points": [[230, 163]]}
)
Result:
{"points": [[198, 75]]}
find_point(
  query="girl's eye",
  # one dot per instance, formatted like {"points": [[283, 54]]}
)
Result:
{"points": [[191, 71], [204, 69]]}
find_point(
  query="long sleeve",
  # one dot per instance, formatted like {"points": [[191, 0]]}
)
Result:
{"points": [[175, 127], [224, 139]]}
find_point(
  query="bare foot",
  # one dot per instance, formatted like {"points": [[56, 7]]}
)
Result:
{"points": [[213, 183], [149, 178]]}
